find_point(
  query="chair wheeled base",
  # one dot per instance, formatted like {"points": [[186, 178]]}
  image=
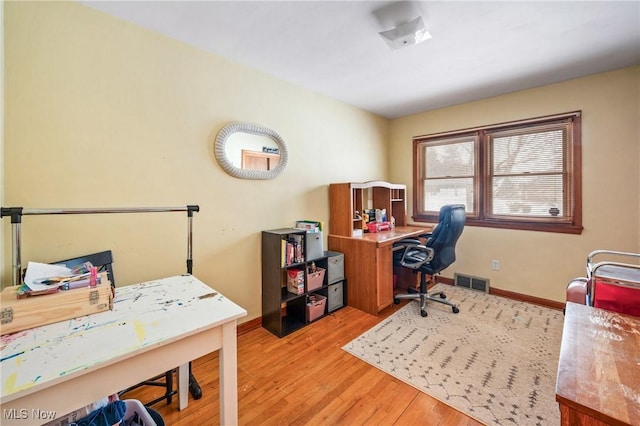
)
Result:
{"points": [[424, 296]]}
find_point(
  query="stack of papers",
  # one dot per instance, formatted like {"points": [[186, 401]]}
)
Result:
{"points": [[311, 226], [44, 277]]}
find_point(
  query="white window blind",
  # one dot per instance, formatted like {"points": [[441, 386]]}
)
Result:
{"points": [[529, 172], [449, 174]]}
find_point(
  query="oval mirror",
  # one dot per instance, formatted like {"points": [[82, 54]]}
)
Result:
{"points": [[250, 151]]}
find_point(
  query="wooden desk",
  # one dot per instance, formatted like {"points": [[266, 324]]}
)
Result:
{"points": [[599, 368], [368, 265], [154, 327]]}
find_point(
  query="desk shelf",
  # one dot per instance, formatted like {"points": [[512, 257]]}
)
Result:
{"points": [[345, 199], [284, 312]]}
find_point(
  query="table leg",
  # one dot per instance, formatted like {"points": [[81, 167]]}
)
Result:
{"points": [[183, 386], [229, 375]]}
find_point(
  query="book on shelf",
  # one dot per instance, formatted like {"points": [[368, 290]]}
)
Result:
{"points": [[283, 252], [292, 250], [297, 242], [289, 253]]}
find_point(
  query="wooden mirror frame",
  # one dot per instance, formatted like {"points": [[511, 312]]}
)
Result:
{"points": [[254, 129]]}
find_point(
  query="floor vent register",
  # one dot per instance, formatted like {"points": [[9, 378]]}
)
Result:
{"points": [[472, 283]]}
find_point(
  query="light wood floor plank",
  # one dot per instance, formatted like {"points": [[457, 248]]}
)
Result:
{"points": [[307, 379]]}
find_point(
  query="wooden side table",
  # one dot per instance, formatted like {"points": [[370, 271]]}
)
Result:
{"points": [[599, 368]]}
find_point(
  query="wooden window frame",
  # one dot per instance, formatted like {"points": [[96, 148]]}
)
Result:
{"points": [[482, 179]]}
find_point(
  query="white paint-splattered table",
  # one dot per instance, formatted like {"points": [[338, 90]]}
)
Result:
{"points": [[154, 326]]}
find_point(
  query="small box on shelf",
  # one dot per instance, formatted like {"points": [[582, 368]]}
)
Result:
{"points": [[316, 306], [295, 281]]}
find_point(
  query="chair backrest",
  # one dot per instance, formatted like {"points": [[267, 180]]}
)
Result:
{"points": [[102, 260], [445, 236]]}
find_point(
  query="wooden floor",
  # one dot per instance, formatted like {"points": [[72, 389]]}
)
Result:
{"points": [[307, 379]]}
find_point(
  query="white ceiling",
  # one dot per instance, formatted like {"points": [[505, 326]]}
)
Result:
{"points": [[479, 48]]}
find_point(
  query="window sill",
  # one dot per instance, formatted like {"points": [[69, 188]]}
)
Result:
{"points": [[562, 228]]}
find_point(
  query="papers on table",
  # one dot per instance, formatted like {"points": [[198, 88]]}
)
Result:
{"points": [[39, 273]]}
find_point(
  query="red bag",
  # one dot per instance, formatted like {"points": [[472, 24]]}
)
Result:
{"points": [[617, 298]]}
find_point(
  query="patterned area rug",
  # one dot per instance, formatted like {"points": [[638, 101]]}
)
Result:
{"points": [[496, 360]]}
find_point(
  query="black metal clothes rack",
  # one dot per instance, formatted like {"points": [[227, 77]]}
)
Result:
{"points": [[16, 213]]}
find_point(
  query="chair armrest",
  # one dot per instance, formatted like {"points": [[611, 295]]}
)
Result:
{"points": [[401, 244], [415, 256]]}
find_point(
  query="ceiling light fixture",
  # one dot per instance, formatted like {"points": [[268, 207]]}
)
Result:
{"points": [[406, 34]]}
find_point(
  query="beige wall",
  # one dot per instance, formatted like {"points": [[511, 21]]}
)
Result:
{"points": [[101, 113], [538, 263]]}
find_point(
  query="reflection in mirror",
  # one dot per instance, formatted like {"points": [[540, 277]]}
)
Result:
{"points": [[249, 151], [252, 152]]}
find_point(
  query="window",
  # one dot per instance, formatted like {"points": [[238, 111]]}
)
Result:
{"points": [[520, 175]]}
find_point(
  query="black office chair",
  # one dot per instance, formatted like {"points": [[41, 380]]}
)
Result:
{"points": [[430, 258], [104, 262]]}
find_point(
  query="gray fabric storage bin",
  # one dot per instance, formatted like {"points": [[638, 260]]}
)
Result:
{"points": [[313, 245], [335, 299], [335, 267]]}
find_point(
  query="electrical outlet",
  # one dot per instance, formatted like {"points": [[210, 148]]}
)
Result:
{"points": [[495, 265]]}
